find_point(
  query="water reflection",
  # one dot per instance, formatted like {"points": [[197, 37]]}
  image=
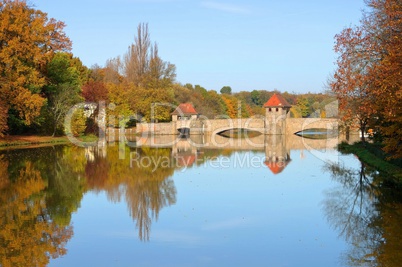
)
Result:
{"points": [[41, 188], [277, 153], [145, 187], [38, 193], [366, 212]]}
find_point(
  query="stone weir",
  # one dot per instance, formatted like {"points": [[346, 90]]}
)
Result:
{"points": [[186, 120]]}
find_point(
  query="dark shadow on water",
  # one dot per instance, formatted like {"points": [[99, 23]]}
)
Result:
{"points": [[366, 210], [184, 131], [317, 133], [239, 133]]}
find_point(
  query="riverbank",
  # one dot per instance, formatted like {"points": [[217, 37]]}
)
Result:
{"points": [[372, 155], [33, 140]]}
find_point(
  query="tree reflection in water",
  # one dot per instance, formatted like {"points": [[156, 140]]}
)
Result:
{"points": [[40, 189], [359, 210], [142, 178], [144, 187], [34, 224]]}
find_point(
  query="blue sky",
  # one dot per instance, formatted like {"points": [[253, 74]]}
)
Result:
{"points": [[282, 44]]}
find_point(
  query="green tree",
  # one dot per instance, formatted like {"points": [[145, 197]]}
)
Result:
{"points": [[215, 104], [201, 90], [227, 90], [303, 107], [189, 86], [64, 89], [255, 98]]}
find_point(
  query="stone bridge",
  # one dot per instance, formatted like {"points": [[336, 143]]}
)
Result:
{"points": [[275, 122], [258, 124], [223, 125]]}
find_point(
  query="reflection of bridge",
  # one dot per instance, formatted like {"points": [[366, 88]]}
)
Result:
{"points": [[260, 142], [276, 147]]}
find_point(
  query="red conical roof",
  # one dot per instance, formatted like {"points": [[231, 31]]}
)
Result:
{"points": [[276, 167], [277, 101]]}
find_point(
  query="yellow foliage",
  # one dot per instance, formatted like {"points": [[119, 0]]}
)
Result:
{"points": [[78, 123], [28, 105], [28, 237], [230, 106], [28, 40]]}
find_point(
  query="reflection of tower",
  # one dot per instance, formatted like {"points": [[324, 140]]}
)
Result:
{"points": [[184, 153], [277, 155], [276, 110]]}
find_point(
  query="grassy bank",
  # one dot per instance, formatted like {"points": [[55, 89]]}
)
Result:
{"points": [[372, 155], [16, 140], [19, 140]]}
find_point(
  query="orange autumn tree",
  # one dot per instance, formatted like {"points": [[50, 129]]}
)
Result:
{"points": [[28, 40], [368, 79], [236, 108], [352, 84], [384, 23], [231, 106]]}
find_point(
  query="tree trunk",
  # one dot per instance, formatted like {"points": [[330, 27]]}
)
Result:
{"points": [[363, 131], [54, 129]]}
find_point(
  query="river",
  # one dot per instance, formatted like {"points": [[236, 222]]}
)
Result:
{"points": [[283, 201]]}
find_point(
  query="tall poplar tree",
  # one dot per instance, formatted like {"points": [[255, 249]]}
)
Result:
{"points": [[152, 78]]}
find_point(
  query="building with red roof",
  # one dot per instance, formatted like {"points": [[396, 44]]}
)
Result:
{"points": [[277, 101], [184, 111], [276, 111]]}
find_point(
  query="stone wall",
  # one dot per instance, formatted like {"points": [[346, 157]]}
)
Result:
{"points": [[156, 128], [294, 125], [218, 126]]}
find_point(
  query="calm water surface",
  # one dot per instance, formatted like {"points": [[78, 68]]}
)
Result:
{"points": [[187, 206]]}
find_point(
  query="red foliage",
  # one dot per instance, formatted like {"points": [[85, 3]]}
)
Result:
{"points": [[94, 91]]}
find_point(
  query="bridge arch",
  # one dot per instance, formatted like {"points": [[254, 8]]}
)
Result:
{"points": [[256, 124], [296, 125]]}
